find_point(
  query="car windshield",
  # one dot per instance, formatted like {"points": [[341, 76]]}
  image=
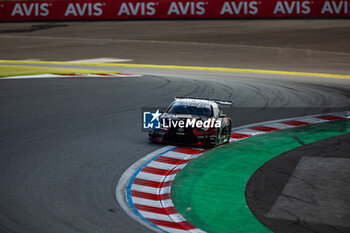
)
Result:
{"points": [[190, 110]]}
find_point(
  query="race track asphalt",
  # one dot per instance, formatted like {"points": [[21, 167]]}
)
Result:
{"points": [[298, 45], [318, 200], [66, 142]]}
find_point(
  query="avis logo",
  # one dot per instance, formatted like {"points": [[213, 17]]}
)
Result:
{"points": [[30, 9], [336, 7], [139, 8], [241, 7], [90, 9], [151, 120], [294, 7], [182, 8]]}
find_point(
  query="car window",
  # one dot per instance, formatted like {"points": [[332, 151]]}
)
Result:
{"points": [[216, 111], [190, 110]]}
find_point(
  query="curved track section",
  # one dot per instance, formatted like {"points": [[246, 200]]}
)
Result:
{"points": [[64, 143], [149, 187], [148, 190]]}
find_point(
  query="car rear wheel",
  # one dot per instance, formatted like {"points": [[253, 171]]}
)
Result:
{"points": [[228, 133]]}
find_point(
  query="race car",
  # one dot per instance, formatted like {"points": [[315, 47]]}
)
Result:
{"points": [[193, 121]]}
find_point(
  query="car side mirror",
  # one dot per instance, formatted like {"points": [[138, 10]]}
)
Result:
{"points": [[222, 115]]}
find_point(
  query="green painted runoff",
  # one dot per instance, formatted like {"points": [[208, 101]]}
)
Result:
{"points": [[210, 191]]}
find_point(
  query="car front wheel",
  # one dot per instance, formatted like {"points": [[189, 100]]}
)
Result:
{"points": [[213, 140]]}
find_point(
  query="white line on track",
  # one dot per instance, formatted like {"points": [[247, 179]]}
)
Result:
{"points": [[102, 60]]}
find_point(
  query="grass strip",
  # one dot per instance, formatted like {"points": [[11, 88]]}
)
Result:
{"points": [[210, 191], [11, 70]]}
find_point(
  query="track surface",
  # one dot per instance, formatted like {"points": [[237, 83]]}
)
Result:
{"points": [[65, 142], [326, 194], [296, 45]]}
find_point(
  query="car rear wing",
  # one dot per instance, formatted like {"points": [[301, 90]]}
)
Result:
{"points": [[221, 102]]}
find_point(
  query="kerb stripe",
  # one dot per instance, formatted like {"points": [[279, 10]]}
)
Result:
{"points": [[150, 196], [151, 187], [150, 183]]}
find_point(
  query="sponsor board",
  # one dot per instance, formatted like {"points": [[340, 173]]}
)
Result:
{"points": [[165, 9]]}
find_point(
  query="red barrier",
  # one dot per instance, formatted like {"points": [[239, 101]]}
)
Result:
{"points": [[170, 9]]}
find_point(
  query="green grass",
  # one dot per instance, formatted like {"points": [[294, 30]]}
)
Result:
{"points": [[210, 191], [10, 70]]}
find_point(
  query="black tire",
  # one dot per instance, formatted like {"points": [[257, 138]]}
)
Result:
{"points": [[228, 133], [215, 143]]}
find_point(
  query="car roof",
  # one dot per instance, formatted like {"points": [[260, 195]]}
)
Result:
{"points": [[195, 102]]}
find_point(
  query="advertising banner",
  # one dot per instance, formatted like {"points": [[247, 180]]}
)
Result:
{"points": [[171, 9]]}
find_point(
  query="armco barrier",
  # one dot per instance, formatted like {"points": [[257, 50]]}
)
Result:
{"points": [[170, 9]]}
